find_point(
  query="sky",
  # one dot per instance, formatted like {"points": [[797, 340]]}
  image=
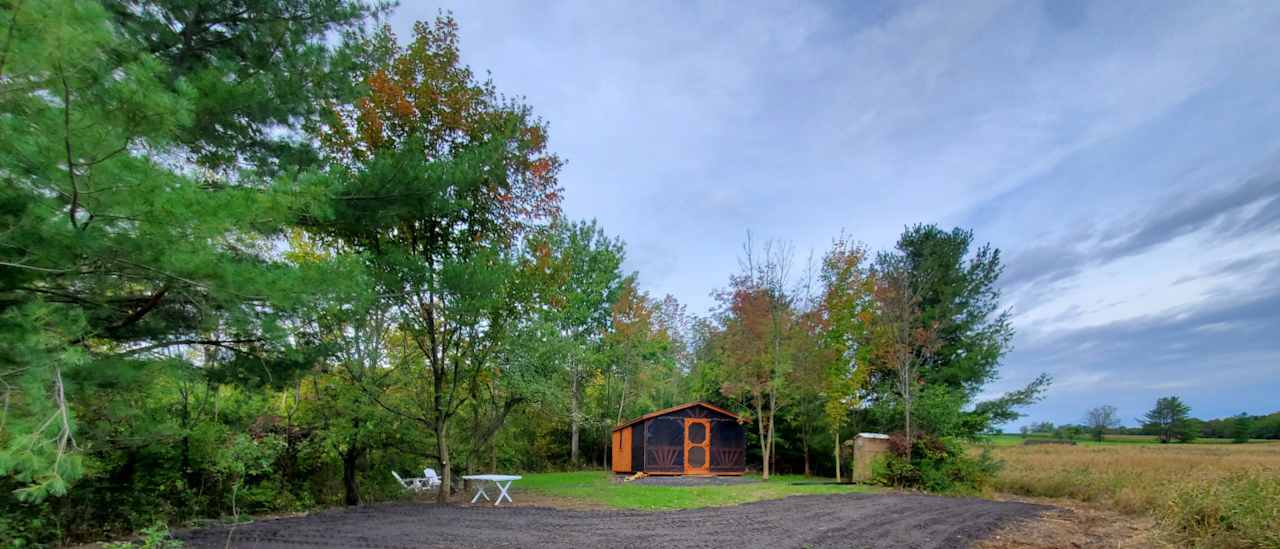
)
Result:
{"points": [[1123, 156]]}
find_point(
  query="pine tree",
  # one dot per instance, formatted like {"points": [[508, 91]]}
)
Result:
{"points": [[116, 252], [1168, 419]]}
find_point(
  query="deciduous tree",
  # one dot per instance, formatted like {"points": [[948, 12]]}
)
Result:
{"points": [[900, 341], [582, 279], [434, 177], [1100, 419], [758, 319], [846, 310]]}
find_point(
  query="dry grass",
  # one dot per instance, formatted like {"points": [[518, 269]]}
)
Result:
{"points": [[1078, 525], [1200, 495]]}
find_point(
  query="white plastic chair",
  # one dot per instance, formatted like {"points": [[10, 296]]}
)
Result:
{"points": [[431, 478], [412, 484]]}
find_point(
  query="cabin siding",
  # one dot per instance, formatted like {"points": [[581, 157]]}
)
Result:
{"points": [[621, 449], [637, 447]]}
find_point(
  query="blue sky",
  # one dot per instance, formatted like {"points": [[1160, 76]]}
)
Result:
{"points": [[1122, 155]]}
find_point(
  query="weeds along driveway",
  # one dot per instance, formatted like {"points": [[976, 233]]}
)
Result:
{"points": [[847, 520]]}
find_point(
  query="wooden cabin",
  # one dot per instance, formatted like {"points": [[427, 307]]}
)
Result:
{"points": [[690, 439]]}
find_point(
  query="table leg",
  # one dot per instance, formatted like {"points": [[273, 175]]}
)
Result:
{"points": [[503, 494], [480, 493]]}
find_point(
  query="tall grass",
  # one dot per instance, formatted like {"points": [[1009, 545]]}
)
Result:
{"points": [[1200, 495]]}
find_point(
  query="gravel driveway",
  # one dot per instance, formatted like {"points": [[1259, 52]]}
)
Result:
{"points": [[846, 520]]}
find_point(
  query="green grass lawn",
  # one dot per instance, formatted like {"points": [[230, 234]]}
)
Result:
{"points": [[597, 488]]}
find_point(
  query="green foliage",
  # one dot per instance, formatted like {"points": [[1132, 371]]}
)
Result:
{"points": [[939, 411], [1068, 432], [1189, 430], [153, 537], [431, 178], [252, 67], [1267, 427], [1240, 427], [1170, 420], [244, 457], [116, 253], [935, 464], [1043, 427], [958, 294], [25, 523]]}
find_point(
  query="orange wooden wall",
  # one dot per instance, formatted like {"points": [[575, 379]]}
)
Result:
{"points": [[622, 450]]}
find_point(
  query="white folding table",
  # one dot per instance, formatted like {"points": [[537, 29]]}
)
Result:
{"points": [[503, 482]]}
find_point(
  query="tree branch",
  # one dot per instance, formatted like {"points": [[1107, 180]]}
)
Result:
{"points": [[222, 343]]}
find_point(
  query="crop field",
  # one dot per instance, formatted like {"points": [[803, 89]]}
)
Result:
{"points": [[1201, 495], [1107, 440]]}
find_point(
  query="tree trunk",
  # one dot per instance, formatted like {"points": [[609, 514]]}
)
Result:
{"points": [[904, 372], [184, 462], [351, 488], [836, 433], [773, 446], [446, 474], [476, 443], [805, 442], [764, 442], [773, 404], [622, 399], [908, 427], [573, 417]]}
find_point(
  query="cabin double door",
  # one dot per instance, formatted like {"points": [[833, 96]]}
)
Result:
{"points": [[697, 446]]}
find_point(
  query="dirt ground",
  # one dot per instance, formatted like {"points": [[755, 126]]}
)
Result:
{"points": [[1076, 525], [847, 520]]}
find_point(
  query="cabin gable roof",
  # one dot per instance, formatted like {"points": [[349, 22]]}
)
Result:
{"points": [[673, 409]]}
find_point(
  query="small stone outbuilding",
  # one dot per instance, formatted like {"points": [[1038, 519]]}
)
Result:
{"points": [[866, 448]]}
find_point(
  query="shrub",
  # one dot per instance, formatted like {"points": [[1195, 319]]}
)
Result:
{"points": [[934, 464], [24, 524], [155, 537]]}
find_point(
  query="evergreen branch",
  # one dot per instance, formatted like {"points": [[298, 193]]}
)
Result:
{"points": [[221, 343], [142, 311], [41, 269], [8, 39]]}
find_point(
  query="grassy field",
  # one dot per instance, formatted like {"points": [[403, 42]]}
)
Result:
{"points": [[1201, 495], [1017, 440], [597, 488]]}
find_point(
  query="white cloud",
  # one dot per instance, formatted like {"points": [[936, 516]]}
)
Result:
{"points": [[686, 124]]}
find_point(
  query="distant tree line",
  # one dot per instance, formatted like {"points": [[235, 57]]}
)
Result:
{"points": [[1169, 420]]}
